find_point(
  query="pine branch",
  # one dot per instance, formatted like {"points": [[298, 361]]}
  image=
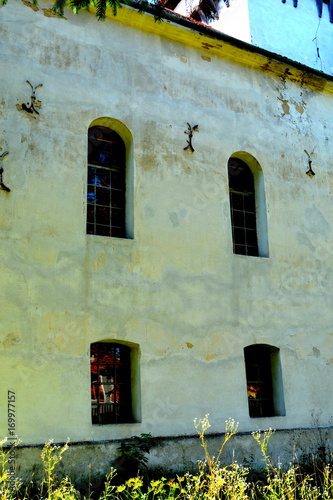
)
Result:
{"points": [[77, 5], [59, 6], [156, 7], [101, 9], [114, 5]]}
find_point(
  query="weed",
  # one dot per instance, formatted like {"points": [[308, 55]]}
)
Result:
{"points": [[9, 484], [210, 481], [132, 455]]}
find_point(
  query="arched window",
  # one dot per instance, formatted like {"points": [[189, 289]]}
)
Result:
{"points": [[111, 383], [106, 195], [264, 381], [242, 208], [247, 206]]}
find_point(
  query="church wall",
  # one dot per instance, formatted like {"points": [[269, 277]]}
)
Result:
{"points": [[176, 289]]}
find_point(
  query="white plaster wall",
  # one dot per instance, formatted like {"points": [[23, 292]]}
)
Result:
{"points": [[296, 33], [176, 289]]}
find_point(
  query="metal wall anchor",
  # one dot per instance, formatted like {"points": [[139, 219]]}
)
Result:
{"points": [[31, 109], [189, 132], [2, 185]]}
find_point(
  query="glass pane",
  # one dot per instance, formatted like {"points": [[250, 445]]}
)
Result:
{"points": [[102, 231], [91, 194], [117, 393], [118, 232], [252, 251], [90, 229], [236, 201], [91, 175], [103, 215], [240, 249], [103, 177], [117, 198], [117, 158], [249, 203], [122, 373], [239, 236], [118, 179], [250, 220], [251, 237], [104, 158], [238, 218], [90, 213], [102, 196], [93, 157], [118, 217]]}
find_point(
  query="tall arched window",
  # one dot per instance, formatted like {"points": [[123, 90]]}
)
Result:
{"points": [[106, 198], [111, 383], [242, 208], [264, 381], [247, 206]]}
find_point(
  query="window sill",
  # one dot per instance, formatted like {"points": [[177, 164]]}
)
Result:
{"points": [[109, 240], [251, 256]]}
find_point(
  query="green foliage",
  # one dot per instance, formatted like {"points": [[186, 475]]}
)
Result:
{"points": [[132, 454], [8, 488], [51, 456], [101, 7]]}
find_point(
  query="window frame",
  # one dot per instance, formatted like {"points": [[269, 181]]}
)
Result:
{"points": [[260, 212], [119, 128], [242, 208], [114, 383], [265, 390]]}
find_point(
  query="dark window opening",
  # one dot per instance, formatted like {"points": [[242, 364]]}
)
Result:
{"points": [[106, 196], [259, 381], [110, 369], [242, 208], [264, 381]]}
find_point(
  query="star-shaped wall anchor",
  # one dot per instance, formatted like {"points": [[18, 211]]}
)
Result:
{"points": [[189, 132], [309, 172], [31, 108], [3, 187]]}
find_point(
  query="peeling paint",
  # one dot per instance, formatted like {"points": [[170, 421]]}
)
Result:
{"points": [[30, 4], [299, 108], [207, 46], [51, 13], [285, 106]]}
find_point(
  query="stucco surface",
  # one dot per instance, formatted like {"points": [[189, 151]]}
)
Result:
{"points": [[176, 289]]}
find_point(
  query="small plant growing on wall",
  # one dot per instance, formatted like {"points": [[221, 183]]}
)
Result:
{"points": [[132, 456]]}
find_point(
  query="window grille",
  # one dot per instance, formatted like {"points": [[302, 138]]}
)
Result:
{"points": [[264, 381], [242, 208], [259, 381], [110, 368], [106, 183]]}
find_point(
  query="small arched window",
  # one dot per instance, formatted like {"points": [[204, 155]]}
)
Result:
{"points": [[106, 194], [111, 385], [264, 381]]}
